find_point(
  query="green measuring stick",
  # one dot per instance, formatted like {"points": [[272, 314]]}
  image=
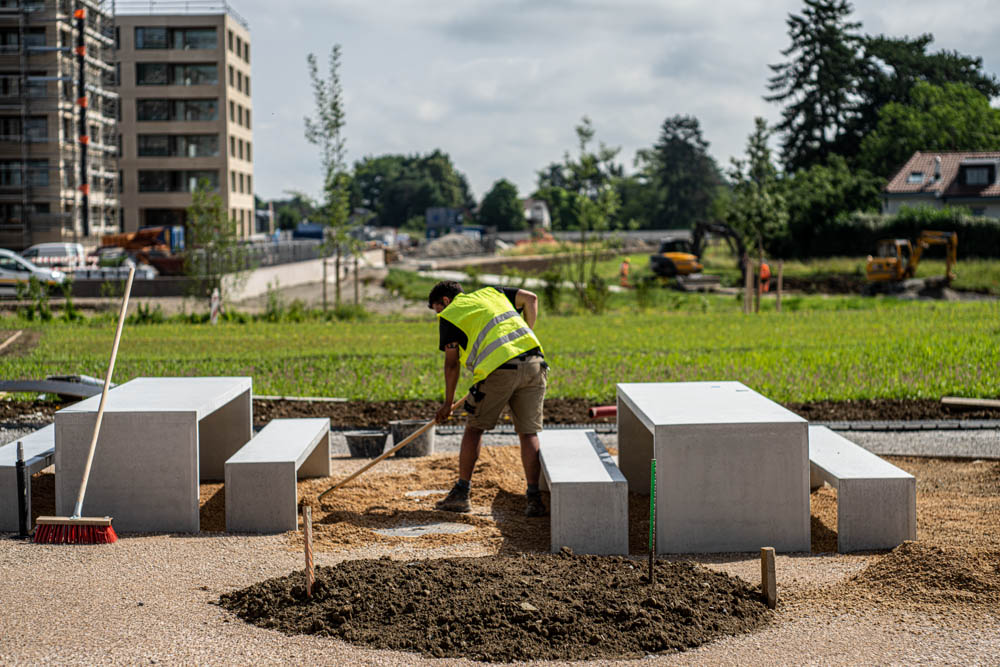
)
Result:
{"points": [[652, 516]]}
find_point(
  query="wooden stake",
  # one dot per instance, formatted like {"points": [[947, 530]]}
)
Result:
{"points": [[781, 273], [15, 336], [747, 286], [768, 585], [760, 288], [307, 527]]}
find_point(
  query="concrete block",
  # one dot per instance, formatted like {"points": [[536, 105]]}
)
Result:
{"points": [[39, 453], [876, 501], [261, 490], [732, 466], [588, 493], [149, 454]]}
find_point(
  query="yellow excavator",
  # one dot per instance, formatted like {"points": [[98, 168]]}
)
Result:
{"points": [[896, 260], [681, 258]]}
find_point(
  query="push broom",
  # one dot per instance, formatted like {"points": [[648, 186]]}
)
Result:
{"points": [[78, 529]]}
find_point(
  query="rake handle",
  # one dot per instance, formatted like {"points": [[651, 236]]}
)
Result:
{"points": [[104, 396], [407, 440]]}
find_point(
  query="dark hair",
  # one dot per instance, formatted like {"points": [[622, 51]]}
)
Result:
{"points": [[445, 288]]}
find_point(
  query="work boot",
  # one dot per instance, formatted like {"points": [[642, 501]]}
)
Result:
{"points": [[534, 505], [457, 500]]}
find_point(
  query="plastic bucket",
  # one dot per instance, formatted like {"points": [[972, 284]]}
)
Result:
{"points": [[366, 444], [421, 446]]}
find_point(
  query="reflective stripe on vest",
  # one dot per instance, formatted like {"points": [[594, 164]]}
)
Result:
{"points": [[495, 333]]}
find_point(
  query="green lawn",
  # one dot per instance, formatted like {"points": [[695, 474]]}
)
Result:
{"points": [[821, 348]]}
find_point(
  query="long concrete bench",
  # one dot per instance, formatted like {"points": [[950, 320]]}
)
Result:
{"points": [[876, 501], [588, 493], [39, 453], [261, 491]]}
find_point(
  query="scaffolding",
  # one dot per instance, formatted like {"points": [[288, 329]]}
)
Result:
{"points": [[59, 142]]}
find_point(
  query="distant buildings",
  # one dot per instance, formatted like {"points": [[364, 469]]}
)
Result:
{"points": [[536, 212], [57, 105], [187, 114], [940, 178]]}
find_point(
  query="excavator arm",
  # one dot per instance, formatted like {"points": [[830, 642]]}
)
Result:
{"points": [[928, 238]]}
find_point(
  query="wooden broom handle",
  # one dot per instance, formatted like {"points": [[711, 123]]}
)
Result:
{"points": [[407, 440], [104, 395]]}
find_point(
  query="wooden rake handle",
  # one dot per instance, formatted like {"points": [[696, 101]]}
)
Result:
{"points": [[407, 440], [104, 396]]}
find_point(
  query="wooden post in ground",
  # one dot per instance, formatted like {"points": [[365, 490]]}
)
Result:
{"points": [[357, 297], [324, 280], [757, 293], [781, 273], [747, 284], [307, 527], [768, 585]]}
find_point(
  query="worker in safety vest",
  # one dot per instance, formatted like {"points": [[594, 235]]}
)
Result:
{"points": [[765, 276], [489, 332], [623, 273]]}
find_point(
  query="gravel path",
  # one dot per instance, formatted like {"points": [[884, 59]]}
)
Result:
{"points": [[150, 600]]}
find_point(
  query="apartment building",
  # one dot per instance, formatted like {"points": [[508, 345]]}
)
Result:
{"points": [[186, 112], [58, 122]]}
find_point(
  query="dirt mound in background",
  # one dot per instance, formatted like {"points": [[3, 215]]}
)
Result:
{"points": [[922, 573], [541, 607]]}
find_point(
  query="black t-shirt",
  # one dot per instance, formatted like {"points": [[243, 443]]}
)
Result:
{"points": [[449, 333]]}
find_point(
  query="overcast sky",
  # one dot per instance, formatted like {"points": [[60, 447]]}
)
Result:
{"points": [[500, 84]]}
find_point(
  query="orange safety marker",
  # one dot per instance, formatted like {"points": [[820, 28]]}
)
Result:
{"points": [[81, 102], [80, 50], [80, 14], [85, 139], [85, 189]]}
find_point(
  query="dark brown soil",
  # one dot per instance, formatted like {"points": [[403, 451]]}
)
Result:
{"points": [[538, 607], [364, 414]]}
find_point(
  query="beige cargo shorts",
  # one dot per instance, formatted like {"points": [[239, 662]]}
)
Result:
{"points": [[519, 384]]}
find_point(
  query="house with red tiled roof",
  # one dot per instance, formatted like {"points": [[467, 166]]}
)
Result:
{"points": [[947, 178]]}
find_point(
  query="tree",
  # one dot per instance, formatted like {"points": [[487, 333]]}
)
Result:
{"points": [[326, 130], [818, 196], [398, 188], [683, 176], [937, 118], [501, 208], [758, 210], [817, 84], [213, 250], [891, 67]]}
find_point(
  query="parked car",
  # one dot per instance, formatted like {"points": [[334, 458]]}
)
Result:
{"points": [[58, 255], [15, 270]]}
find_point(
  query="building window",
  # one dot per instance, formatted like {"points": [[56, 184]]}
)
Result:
{"points": [[232, 181], [239, 81], [155, 37], [178, 145], [246, 85], [36, 171], [232, 146], [232, 112], [249, 184], [161, 74], [232, 76], [248, 118], [249, 158], [239, 45], [230, 40], [239, 143], [36, 128], [977, 175], [239, 115], [176, 180], [246, 51], [915, 177], [978, 211], [172, 110]]}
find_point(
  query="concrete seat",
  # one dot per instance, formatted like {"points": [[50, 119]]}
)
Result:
{"points": [[39, 453], [588, 493], [876, 501], [261, 491]]}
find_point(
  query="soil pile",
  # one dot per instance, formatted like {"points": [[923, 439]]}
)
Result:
{"points": [[919, 573], [543, 607], [452, 245]]}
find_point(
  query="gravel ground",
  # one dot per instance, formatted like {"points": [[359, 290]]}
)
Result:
{"points": [[149, 599]]}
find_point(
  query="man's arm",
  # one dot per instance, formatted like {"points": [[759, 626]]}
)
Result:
{"points": [[452, 370], [527, 303]]}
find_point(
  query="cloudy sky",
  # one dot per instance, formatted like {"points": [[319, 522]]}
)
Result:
{"points": [[500, 84]]}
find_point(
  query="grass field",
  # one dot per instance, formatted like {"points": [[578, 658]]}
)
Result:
{"points": [[826, 349]]}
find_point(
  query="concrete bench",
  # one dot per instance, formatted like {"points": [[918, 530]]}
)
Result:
{"points": [[876, 501], [588, 493], [261, 491], [39, 453]]}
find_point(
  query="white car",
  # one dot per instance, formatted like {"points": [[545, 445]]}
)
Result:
{"points": [[15, 269], [56, 255]]}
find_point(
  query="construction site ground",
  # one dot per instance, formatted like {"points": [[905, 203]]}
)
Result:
{"points": [[154, 598]]}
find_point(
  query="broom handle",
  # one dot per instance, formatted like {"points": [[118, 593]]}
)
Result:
{"points": [[104, 396], [407, 440]]}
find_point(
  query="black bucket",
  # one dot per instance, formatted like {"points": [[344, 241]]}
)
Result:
{"points": [[366, 444], [422, 446]]}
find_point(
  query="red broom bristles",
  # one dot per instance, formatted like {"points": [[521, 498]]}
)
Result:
{"points": [[70, 534]]}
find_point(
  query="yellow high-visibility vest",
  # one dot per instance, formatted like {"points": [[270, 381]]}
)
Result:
{"points": [[495, 332]]}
